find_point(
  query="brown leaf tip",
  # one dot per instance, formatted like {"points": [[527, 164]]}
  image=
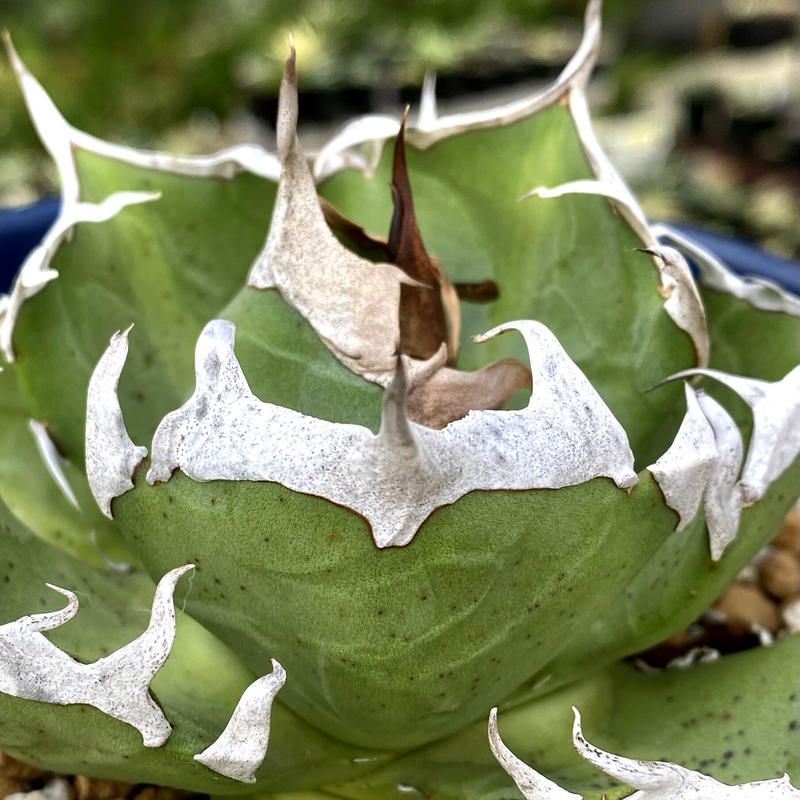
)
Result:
{"points": [[290, 67]]}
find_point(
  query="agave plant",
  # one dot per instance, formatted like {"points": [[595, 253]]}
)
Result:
{"points": [[377, 529]]}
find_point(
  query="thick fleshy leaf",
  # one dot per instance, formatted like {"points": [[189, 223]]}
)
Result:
{"points": [[198, 687], [551, 259], [410, 631], [665, 780], [466, 192], [31, 491], [399, 477], [197, 258], [749, 341], [678, 584], [735, 719], [167, 266]]}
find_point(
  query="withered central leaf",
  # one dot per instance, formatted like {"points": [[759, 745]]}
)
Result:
{"points": [[430, 317], [423, 324]]}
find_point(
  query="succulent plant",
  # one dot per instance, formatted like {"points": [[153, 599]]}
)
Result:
{"points": [[376, 530]]}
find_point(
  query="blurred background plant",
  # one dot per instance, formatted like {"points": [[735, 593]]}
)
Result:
{"points": [[699, 102]]}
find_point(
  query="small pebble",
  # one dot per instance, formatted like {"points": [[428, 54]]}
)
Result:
{"points": [[87, 788], [57, 788], [745, 605], [788, 537], [791, 616], [9, 786], [11, 768], [780, 574], [156, 793], [748, 574]]}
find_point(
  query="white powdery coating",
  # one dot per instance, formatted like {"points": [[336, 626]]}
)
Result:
{"points": [[242, 746], [395, 479], [662, 780], [758, 292], [684, 470], [111, 456], [775, 442], [703, 464], [352, 304], [722, 502], [532, 784], [33, 668], [52, 459]]}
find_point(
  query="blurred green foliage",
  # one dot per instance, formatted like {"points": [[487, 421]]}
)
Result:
{"points": [[128, 69]]}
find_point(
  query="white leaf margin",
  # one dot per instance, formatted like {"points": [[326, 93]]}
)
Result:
{"points": [[676, 285], [702, 466], [241, 748], [61, 139], [53, 461], [759, 292], [111, 456], [33, 668], [653, 780], [775, 441], [704, 461], [565, 436]]}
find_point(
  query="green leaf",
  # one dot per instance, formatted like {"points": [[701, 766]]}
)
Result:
{"points": [[675, 587], [33, 496], [747, 341], [396, 647], [167, 266], [198, 687], [287, 364], [568, 262], [735, 719]]}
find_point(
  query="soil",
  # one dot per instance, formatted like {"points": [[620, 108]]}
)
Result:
{"points": [[762, 604]]}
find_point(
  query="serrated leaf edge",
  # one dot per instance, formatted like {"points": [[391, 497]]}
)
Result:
{"points": [[653, 780], [118, 684], [397, 478]]}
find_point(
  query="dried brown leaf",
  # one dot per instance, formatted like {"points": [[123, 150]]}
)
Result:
{"points": [[450, 394], [423, 325], [479, 292], [367, 244]]}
